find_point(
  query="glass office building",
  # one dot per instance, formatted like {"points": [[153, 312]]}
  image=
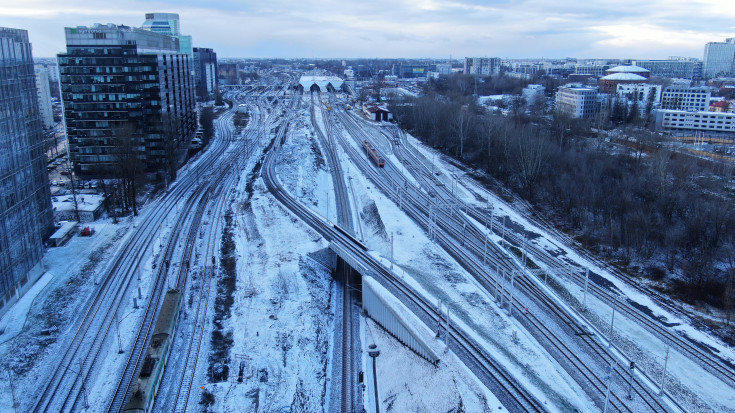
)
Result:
{"points": [[116, 78], [26, 217]]}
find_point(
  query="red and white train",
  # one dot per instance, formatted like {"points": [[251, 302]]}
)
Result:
{"points": [[373, 154]]}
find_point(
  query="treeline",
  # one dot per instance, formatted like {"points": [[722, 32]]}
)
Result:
{"points": [[665, 212]]}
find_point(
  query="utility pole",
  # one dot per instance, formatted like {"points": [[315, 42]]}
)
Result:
{"points": [[584, 298], [391, 250], [610, 340], [663, 375], [610, 370], [510, 303], [373, 352], [12, 391], [630, 384]]}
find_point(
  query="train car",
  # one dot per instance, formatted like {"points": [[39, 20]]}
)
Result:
{"points": [[145, 389], [373, 154]]}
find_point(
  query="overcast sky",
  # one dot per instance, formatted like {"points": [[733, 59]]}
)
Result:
{"points": [[403, 28]]}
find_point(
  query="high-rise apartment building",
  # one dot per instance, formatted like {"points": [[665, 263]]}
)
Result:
{"points": [[168, 24], [44, 96], [485, 66], [26, 217], [719, 58], [119, 80], [205, 72]]}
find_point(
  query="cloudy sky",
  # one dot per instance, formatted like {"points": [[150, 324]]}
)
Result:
{"points": [[403, 28]]}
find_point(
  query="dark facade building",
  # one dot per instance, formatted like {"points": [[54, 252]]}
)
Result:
{"points": [[125, 89], [26, 217], [205, 72]]}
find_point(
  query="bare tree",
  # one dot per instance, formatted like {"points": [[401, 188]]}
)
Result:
{"points": [[171, 137], [128, 165]]}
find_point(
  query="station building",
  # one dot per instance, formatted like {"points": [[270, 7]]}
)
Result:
{"points": [[314, 83]]}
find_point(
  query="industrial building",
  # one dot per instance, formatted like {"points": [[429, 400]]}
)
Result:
{"points": [[205, 72], [119, 77], [26, 217]]}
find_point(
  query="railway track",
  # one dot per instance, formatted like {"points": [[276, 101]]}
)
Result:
{"points": [[505, 385], [344, 220], [456, 230]]}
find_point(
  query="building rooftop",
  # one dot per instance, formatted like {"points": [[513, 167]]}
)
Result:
{"points": [[628, 69], [624, 76]]}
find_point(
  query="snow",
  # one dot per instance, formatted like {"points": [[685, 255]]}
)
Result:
{"points": [[646, 349], [282, 319]]}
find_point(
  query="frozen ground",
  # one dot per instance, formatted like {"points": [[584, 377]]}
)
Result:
{"points": [[282, 315], [688, 382]]}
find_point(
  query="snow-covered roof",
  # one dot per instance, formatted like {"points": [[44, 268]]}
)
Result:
{"points": [[307, 81], [628, 69], [624, 76]]}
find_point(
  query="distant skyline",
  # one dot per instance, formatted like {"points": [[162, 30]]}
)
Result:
{"points": [[653, 29]]}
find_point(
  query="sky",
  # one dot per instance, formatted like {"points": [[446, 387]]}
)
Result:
{"points": [[635, 29]]}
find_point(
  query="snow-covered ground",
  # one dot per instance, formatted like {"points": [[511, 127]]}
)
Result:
{"points": [[283, 313], [701, 391]]}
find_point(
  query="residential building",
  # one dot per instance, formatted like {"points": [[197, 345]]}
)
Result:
{"points": [[44, 97], [121, 80], [681, 68], [168, 24], [484, 66], [577, 101], [643, 93], [718, 58], [26, 217], [533, 94], [205, 72], [687, 98], [680, 122]]}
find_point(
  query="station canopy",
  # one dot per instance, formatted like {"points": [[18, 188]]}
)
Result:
{"points": [[323, 82]]}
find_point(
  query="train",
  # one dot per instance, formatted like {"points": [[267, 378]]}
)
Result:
{"points": [[146, 387], [373, 154]]}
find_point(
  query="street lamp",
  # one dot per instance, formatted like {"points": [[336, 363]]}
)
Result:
{"points": [[374, 353]]}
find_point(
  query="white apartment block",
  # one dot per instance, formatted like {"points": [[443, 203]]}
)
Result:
{"points": [[481, 65], [681, 122], [533, 94], [577, 101], [679, 97], [643, 93], [44, 97]]}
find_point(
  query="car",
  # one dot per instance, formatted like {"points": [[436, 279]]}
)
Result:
{"points": [[54, 182], [62, 182]]}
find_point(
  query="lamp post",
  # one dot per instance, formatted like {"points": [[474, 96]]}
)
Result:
{"points": [[373, 352]]}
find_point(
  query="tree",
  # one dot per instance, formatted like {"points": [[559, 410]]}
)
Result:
{"points": [[128, 165], [206, 119], [218, 98], [171, 142]]}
